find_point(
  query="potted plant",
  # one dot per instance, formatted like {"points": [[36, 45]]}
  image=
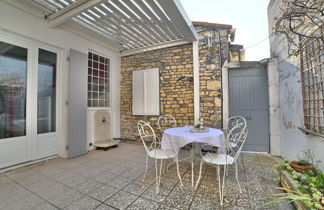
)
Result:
{"points": [[305, 162], [304, 188]]}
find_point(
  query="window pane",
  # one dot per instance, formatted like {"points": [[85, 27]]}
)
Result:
{"points": [[98, 77], [13, 81], [46, 91]]}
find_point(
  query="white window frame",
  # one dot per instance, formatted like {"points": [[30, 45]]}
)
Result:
{"points": [[109, 83], [32, 137]]}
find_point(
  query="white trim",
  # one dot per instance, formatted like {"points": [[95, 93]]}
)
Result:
{"points": [[274, 106], [33, 47], [154, 47], [13, 40], [195, 54], [225, 94], [110, 78], [99, 108], [58, 96]]}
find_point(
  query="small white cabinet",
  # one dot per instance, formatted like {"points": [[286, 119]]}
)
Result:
{"points": [[146, 92]]}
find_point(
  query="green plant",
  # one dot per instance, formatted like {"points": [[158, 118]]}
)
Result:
{"points": [[311, 189], [291, 195], [307, 158]]}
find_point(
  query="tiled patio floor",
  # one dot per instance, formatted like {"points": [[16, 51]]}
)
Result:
{"points": [[113, 180]]}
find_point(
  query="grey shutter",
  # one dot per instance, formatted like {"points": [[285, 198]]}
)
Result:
{"points": [[77, 123]]}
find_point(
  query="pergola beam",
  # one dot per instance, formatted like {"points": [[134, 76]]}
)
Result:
{"points": [[71, 11], [135, 25], [154, 47], [176, 12]]}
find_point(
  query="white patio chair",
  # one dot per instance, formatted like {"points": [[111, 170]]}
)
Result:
{"points": [[153, 150], [165, 122], [231, 123], [229, 157]]}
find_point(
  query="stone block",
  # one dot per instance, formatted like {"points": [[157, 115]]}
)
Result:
{"points": [[213, 85]]}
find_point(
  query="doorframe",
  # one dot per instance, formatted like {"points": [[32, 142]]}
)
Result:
{"points": [[56, 134], [32, 46], [273, 94]]}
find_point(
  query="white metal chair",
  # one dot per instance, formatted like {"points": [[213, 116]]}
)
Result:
{"points": [[153, 150], [231, 123], [229, 157], [165, 122]]}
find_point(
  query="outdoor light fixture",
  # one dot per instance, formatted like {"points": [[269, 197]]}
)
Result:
{"points": [[209, 41]]}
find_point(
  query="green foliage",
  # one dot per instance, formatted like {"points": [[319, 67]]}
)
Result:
{"points": [[306, 158], [311, 189]]}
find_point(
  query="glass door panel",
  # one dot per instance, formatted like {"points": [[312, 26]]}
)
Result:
{"points": [[46, 94], [13, 84]]}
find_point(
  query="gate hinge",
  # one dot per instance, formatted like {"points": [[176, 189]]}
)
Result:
{"points": [[67, 147]]}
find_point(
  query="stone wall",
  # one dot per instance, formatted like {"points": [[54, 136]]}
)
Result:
{"points": [[176, 81], [176, 86], [210, 61]]}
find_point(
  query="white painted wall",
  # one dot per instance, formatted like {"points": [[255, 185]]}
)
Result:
{"points": [[20, 25], [293, 140], [274, 107]]}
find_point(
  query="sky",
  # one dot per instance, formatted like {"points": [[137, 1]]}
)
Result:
{"points": [[249, 17]]}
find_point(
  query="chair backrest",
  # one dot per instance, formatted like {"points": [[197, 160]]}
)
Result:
{"points": [[147, 136], [235, 120], [237, 135], [165, 122]]}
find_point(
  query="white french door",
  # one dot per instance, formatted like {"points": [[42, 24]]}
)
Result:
{"points": [[28, 101]]}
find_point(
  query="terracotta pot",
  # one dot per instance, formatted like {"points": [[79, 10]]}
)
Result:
{"points": [[301, 168]]}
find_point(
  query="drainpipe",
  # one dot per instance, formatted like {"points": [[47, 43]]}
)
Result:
{"points": [[220, 54], [195, 54]]}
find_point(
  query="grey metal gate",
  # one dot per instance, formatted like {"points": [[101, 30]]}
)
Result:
{"points": [[248, 97]]}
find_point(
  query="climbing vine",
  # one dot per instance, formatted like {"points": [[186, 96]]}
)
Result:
{"points": [[299, 20]]}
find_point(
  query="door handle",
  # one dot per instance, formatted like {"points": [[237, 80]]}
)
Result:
{"points": [[248, 118]]}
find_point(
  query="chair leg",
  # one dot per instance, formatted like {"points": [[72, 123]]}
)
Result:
{"points": [[178, 172], [161, 166], [200, 169], [236, 176], [227, 171], [145, 166], [219, 184], [192, 166], [156, 177], [223, 185]]}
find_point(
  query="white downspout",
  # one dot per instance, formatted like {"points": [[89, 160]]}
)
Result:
{"points": [[225, 89], [195, 54]]}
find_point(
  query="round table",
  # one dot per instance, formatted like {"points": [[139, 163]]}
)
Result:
{"points": [[175, 138]]}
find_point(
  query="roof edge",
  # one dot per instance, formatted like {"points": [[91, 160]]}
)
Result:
{"points": [[212, 24]]}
